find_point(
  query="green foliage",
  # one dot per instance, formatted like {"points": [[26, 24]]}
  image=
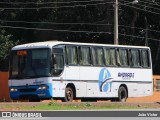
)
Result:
{"points": [[132, 24], [6, 44], [87, 104], [52, 102]]}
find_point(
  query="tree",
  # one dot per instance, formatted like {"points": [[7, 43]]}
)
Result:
{"points": [[136, 22], [5, 47]]}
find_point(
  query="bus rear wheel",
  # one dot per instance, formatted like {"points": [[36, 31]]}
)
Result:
{"points": [[122, 94], [69, 94]]}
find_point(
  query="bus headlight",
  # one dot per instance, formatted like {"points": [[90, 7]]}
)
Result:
{"points": [[43, 88], [13, 89]]}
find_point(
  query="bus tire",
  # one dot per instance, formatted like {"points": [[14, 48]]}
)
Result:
{"points": [[122, 94], [69, 94]]}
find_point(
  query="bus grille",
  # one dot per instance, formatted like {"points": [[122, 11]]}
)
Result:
{"points": [[28, 90], [28, 97]]}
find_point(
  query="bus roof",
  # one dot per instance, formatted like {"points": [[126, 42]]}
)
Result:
{"points": [[50, 44]]}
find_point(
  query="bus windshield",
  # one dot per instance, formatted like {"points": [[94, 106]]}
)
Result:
{"points": [[30, 63]]}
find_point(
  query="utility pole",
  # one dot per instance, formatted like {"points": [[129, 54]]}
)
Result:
{"points": [[116, 22], [146, 31], [146, 28], [116, 41]]}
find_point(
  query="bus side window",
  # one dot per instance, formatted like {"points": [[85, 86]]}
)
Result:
{"points": [[145, 58], [100, 56], [97, 56], [123, 57], [109, 55], [135, 58], [71, 55], [94, 61], [85, 58], [118, 57], [113, 57]]}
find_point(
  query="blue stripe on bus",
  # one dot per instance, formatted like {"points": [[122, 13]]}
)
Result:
{"points": [[127, 81]]}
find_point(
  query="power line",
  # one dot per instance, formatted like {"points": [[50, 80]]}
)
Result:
{"points": [[79, 5], [71, 31], [143, 6], [154, 3], [54, 23], [95, 24], [140, 37], [78, 23], [39, 29], [149, 3], [141, 9], [41, 3], [148, 6], [34, 8], [140, 28], [145, 1]]}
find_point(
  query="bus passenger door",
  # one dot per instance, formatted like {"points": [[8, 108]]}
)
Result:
{"points": [[58, 72]]}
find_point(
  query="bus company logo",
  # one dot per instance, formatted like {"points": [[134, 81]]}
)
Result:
{"points": [[105, 80], [37, 82], [125, 75]]}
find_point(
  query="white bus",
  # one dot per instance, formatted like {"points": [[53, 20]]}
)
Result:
{"points": [[69, 71]]}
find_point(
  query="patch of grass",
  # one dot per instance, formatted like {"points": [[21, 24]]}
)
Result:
{"points": [[52, 102], [52, 105], [83, 106]]}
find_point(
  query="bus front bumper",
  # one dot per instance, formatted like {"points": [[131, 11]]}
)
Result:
{"points": [[31, 92]]}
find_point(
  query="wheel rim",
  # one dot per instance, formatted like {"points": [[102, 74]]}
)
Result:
{"points": [[69, 95]]}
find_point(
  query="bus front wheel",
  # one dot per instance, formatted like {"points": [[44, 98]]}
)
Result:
{"points": [[122, 94], [69, 95]]}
